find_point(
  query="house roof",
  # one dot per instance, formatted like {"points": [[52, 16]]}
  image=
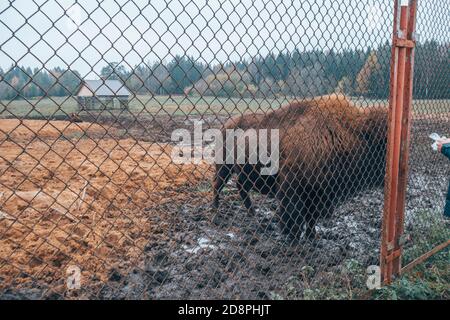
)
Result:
{"points": [[104, 88]]}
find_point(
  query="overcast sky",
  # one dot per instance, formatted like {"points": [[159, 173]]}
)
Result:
{"points": [[85, 34]]}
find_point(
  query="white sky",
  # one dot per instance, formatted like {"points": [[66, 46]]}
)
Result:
{"points": [[85, 34]]}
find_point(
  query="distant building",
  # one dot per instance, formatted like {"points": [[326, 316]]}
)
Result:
{"points": [[102, 94]]}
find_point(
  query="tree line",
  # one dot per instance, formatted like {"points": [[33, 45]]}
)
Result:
{"points": [[297, 73]]}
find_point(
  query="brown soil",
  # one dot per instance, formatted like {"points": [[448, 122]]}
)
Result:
{"points": [[45, 225]]}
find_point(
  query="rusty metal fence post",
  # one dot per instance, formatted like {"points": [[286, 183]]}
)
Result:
{"points": [[402, 62]]}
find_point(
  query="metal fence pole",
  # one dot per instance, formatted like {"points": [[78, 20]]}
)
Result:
{"points": [[402, 62]]}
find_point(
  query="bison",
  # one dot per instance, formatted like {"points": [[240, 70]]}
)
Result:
{"points": [[329, 149]]}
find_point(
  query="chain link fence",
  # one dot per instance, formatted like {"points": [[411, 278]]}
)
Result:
{"points": [[99, 101], [425, 225]]}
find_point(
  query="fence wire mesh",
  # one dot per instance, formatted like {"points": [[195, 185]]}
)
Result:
{"points": [[93, 204], [425, 225]]}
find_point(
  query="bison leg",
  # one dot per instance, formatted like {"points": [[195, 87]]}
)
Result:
{"points": [[321, 206], [287, 209], [291, 212], [223, 174], [244, 185], [310, 231], [300, 217], [298, 209]]}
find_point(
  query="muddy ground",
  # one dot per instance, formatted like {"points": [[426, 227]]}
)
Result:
{"points": [[166, 242]]}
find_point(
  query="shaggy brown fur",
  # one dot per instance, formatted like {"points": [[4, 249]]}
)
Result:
{"points": [[329, 150]]}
